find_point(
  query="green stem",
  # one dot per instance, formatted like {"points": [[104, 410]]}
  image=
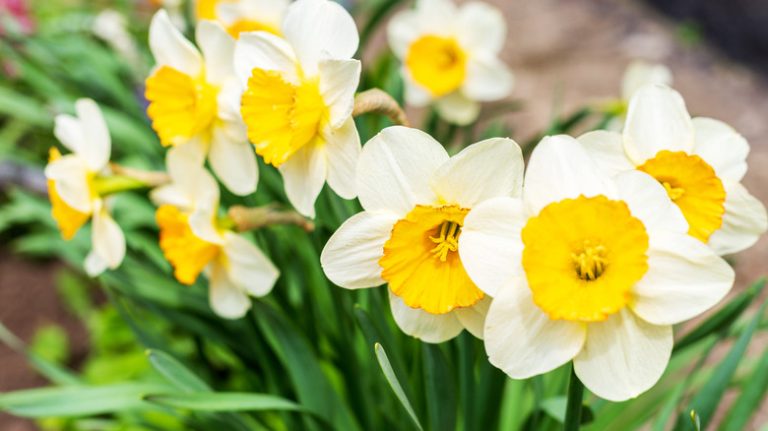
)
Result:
{"points": [[574, 407]]}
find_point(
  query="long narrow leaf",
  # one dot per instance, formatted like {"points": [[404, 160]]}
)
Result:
{"points": [[224, 402], [389, 373]]}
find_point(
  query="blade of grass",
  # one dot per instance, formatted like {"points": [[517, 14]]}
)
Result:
{"points": [[389, 373]]}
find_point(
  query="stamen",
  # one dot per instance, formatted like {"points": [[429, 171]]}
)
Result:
{"points": [[590, 263], [447, 241], [674, 192]]}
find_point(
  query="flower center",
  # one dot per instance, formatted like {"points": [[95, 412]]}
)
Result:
{"points": [[282, 117], [582, 256], [187, 253], [421, 262], [243, 25], [437, 63], [68, 219], [694, 187], [180, 106]]}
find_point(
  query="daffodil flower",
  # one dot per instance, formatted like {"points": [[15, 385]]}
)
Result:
{"points": [[700, 162], [240, 16], [194, 101], [298, 99], [450, 56], [589, 269], [416, 198], [73, 185], [196, 240], [641, 73]]}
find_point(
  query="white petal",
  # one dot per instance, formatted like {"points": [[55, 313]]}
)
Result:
{"points": [[304, 175], [96, 146], [684, 279], [607, 150], [202, 222], [107, 239], [487, 79], [640, 73], [743, 223], [437, 17], [490, 246], [248, 267], [623, 356], [649, 202], [228, 102], [481, 27], [457, 108], [415, 94], [656, 120], [473, 318], [234, 162], [94, 265], [487, 169], [402, 30], [262, 50], [722, 147], [338, 83], [343, 151], [70, 174], [170, 48], [227, 299], [395, 169], [69, 131], [560, 169], [521, 340], [319, 29], [218, 49], [430, 328], [350, 258]]}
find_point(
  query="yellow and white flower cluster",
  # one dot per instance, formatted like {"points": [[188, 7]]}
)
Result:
{"points": [[610, 240]]}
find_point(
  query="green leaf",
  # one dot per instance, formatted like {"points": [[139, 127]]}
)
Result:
{"points": [[72, 401], [708, 398], [176, 374], [724, 318], [224, 402], [48, 369], [440, 389], [389, 373], [752, 394]]}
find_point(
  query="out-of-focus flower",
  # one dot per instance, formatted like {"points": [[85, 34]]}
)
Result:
{"points": [[700, 162], [196, 240], [587, 269], [239, 16], [110, 25], [73, 185], [640, 73], [299, 96], [450, 56], [415, 198], [194, 101], [19, 12]]}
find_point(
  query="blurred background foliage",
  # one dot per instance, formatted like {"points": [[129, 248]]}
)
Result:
{"points": [[310, 355]]}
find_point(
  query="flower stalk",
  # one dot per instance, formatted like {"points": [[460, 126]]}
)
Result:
{"points": [[245, 219], [148, 179], [380, 102], [574, 406]]}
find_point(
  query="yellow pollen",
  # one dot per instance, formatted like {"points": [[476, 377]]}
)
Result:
{"points": [[282, 117], [180, 107], [437, 63], [582, 257], [187, 253], [693, 186], [68, 219], [421, 262], [590, 263], [447, 241], [244, 25]]}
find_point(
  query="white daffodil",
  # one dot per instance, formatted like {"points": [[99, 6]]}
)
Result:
{"points": [[240, 16], [587, 269], [640, 73], [450, 56], [195, 239], [194, 101], [73, 185], [700, 162], [298, 99], [415, 198]]}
